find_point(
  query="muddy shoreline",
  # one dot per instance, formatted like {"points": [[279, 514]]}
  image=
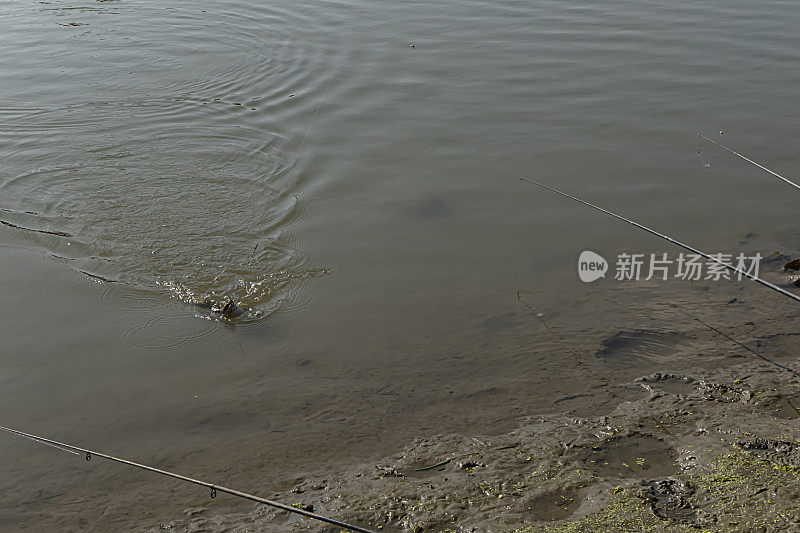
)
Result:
{"points": [[710, 449]]}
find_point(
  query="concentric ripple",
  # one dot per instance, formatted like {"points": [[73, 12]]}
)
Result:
{"points": [[164, 153], [163, 332]]}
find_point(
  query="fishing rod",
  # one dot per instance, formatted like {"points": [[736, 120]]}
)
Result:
{"points": [[737, 154], [673, 241], [214, 488]]}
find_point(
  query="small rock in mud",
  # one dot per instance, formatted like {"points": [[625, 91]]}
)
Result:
{"points": [[388, 471], [792, 265]]}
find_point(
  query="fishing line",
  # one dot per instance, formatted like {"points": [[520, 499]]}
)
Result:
{"points": [[325, 93], [673, 241], [694, 250], [694, 316], [214, 488], [566, 345], [557, 337], [742, 345], [703, 160], [737, 154], [330, 82]]}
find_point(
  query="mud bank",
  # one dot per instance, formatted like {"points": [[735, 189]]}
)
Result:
{"points": [[716, 450]]}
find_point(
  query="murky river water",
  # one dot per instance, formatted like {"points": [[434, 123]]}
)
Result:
{"points": [[348, 171]]}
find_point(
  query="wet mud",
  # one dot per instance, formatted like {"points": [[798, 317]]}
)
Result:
{"points": [[706, 451]]}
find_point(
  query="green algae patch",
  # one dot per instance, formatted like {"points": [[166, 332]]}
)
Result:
{"points": [[746, 491], [737, 491], [625, 512]]}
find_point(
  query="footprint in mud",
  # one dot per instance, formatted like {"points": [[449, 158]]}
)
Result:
{"points": [[668, 500], [632, 456], [778, 451], [781, 407], [590, 405], [556, 505], [641, 347]]}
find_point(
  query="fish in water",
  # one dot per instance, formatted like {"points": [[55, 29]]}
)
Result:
{"points": [[229, 310]]}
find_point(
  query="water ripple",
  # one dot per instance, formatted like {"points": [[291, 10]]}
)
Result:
{"points": [[165, 163]]}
